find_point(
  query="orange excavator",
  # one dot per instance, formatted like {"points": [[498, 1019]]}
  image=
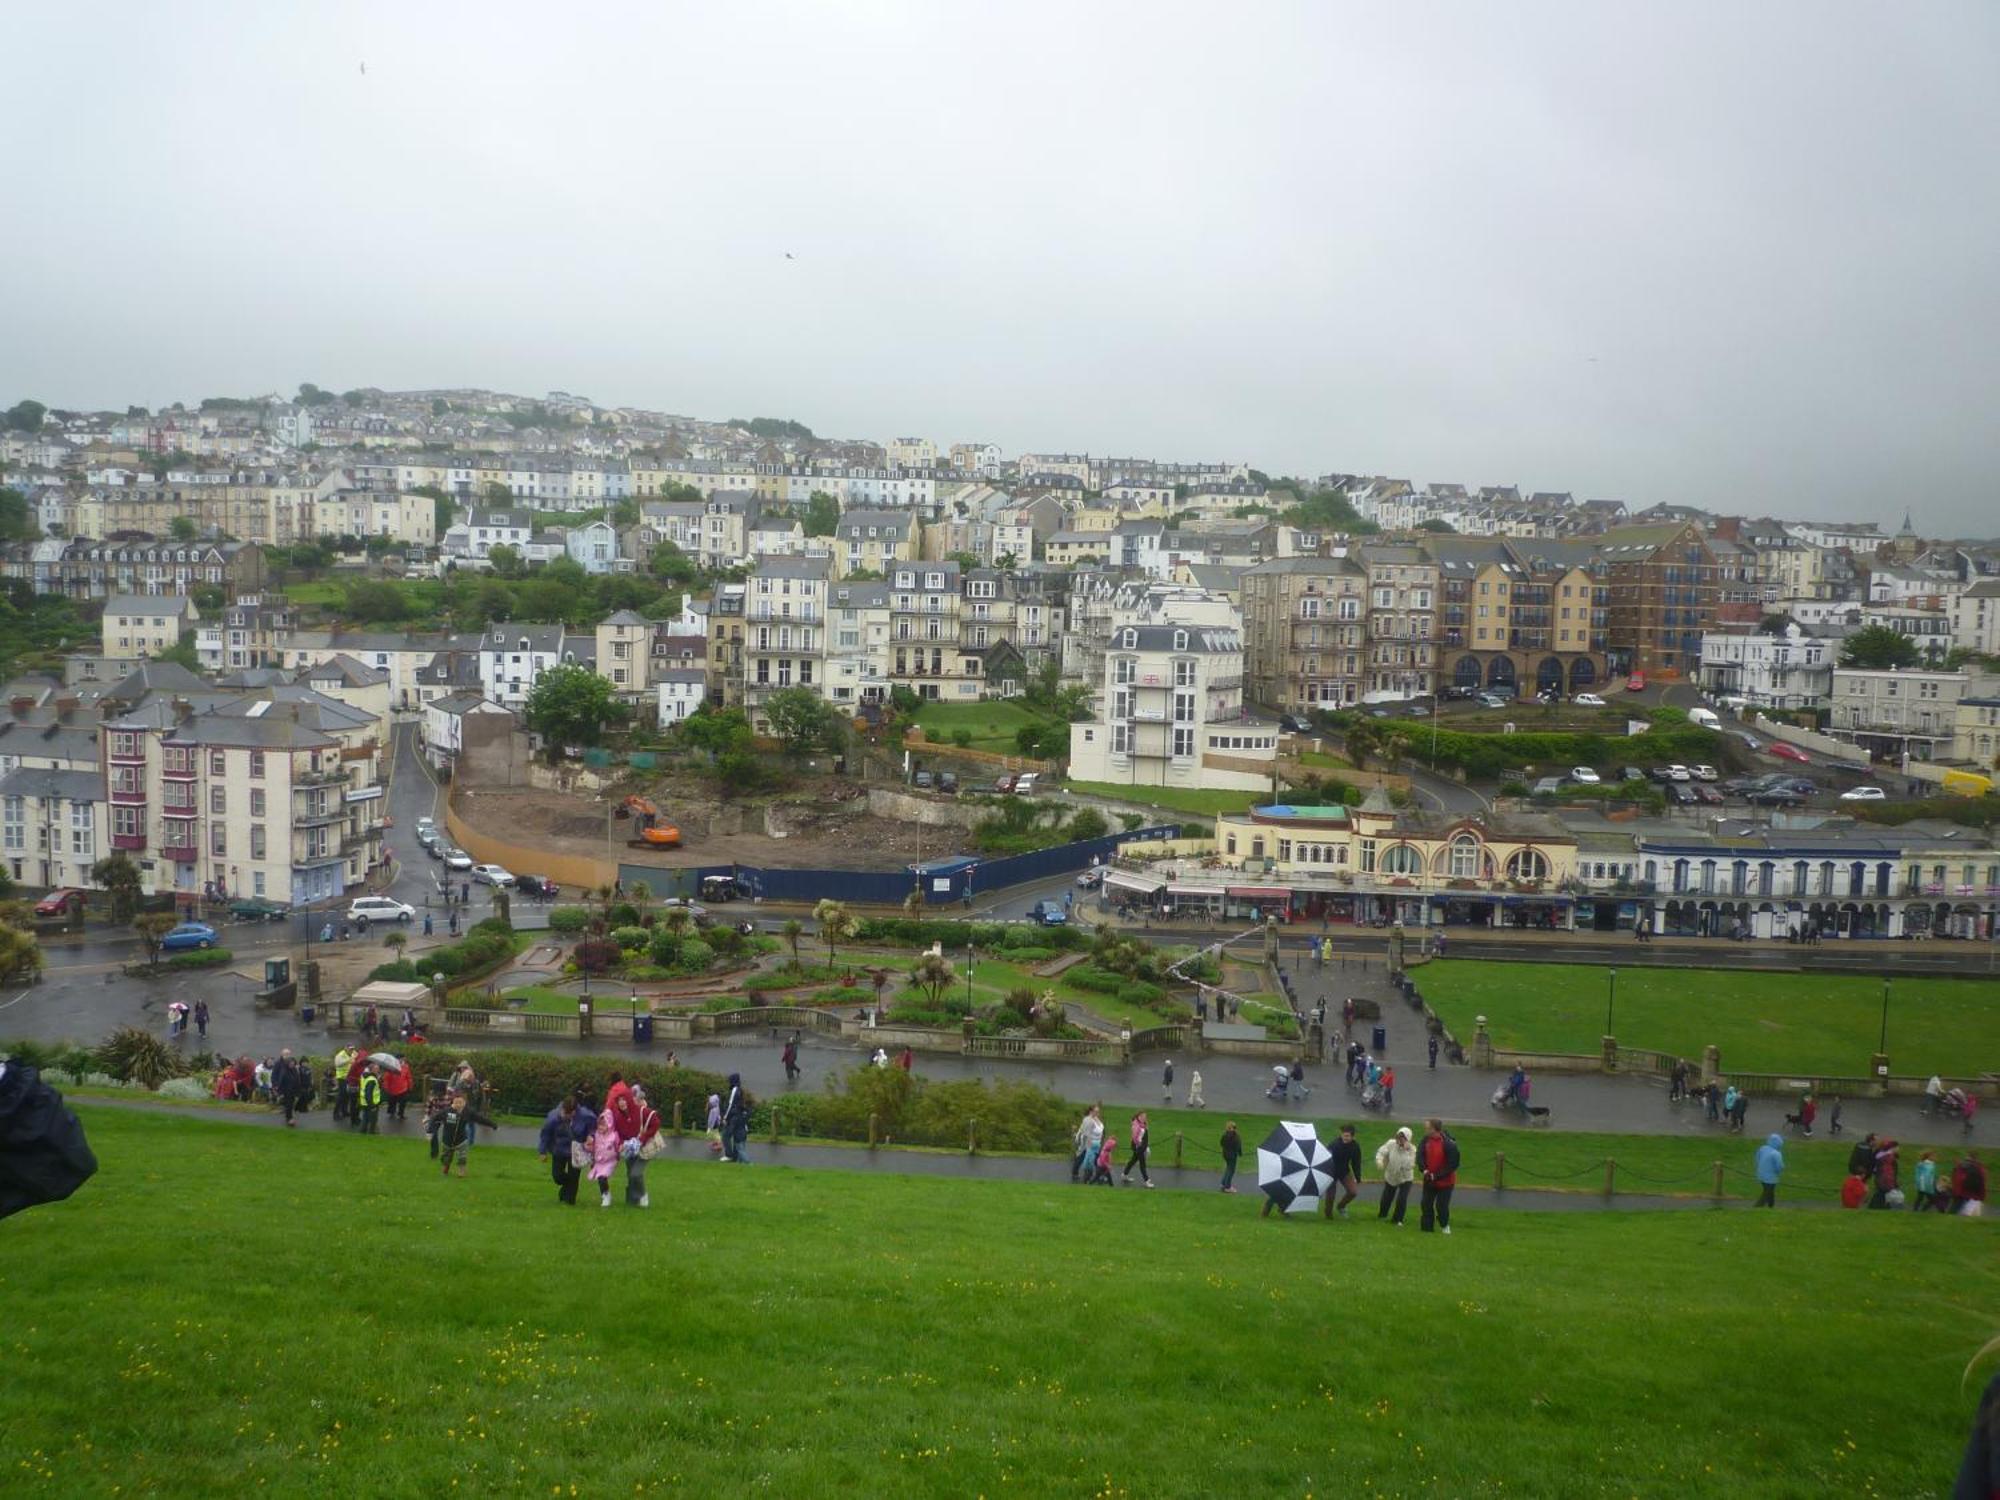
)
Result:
{"points": [[652, 833]]}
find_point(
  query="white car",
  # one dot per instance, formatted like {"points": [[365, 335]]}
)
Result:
{"points": [[366, 909], [492, 875], [1587, 700], [1584, 776], [1024, 783], [1679, 773], [1864, 794], [423, 823], [1702, 773], [456, 858]]}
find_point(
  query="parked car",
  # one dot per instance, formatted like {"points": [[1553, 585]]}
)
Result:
{"points": [[1092, 878], [60, 903], [1548, 786], [947, 782], [1049, 914], [435, 847], [1636, 683], [1776, 796], [188, 935], [1458, 694], [539, 886], [1852, 794], [1633, 773], [365, 909], [1750, 741], [455, 858], [1584, 776], [1419, 711], [493, 875], [724, 888], [1789, 752], [1707, 795], [1004, 784], [1703, 773], [1492, 700], [1679, 773], [1587, 700], [1680, 796], [430, 835], [695, 910], [1024, 783], [423, 823], [923, 781], [1290, 725]]}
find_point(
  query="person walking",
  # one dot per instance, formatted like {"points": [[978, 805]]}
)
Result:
{"points": [[1195, 1099], [465, 1081], [1089, 1136], [1167, 1084], [285, 1085], [1346, 1173], [1888, 1193], [646, 1130], [1833, 1118], [1808, 1112], [201, 1018], [1389, 1089], [1142, 1142], [1396, 1160], [371, 1099], [735, 1121], [1968, 1187], [1927, 1195], [564, 1144], [713, 1126], [1770, 1167], [1437, 1159], [1232, 1152], [1434, 1051], [1737, 1111], [343, 1093], [1677, 1082], [790, 1057], [454, 1131], [396, 1090], [604, 1155]]}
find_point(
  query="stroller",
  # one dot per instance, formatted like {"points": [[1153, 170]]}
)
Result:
{"points": [[1371, 1096], [1505, 1097], [1281, 1082]]}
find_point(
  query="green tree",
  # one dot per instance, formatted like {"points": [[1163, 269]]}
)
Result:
{"points": [[1087, 823], [182, 654], [931, 974], [822, 514], [439, 406], [625, 513], [505, 560], [966, 560], [792, 930], [1878, 647], [23, 416], [496, 493], [152, 927], [671, 565], [208, 597], [836, 924], [312, 557], [569, 705], [20, 950], [804, 721], [183, 529], [312, 395], [718, 731], [372, 600], [118, 877], [17, 517]]}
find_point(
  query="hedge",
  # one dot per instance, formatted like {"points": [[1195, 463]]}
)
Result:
{"points": [[533, 1083], [200, 958], [921, 932], [485, 948], [1491, 755]]}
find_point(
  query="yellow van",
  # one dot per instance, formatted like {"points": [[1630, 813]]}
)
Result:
{"points": [[1966, 783]]}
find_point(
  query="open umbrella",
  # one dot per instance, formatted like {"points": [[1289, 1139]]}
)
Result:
{"points": [[388, 1060], [1293, 1167]]}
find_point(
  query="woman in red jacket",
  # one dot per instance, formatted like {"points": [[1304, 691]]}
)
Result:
{"points": [[396, 1086], [1437, 1159]]}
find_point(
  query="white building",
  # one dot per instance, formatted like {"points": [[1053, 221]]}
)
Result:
{"points": [[52, 826], [594, 545], [1792, 669], [682, 691], [444, 726], [1975, 618], [1173, 713], [137, 625], [1896, 713], [511, 657]]}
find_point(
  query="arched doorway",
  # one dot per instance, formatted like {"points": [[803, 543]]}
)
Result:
{"points": [[1466, 673], [1500, 672], [1582, 673], [1549, 676]]}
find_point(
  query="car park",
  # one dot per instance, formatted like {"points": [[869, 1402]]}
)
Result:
{"points": [[188, 935], [1048, 913], [1790, 752], [1864, 794], [365, 909], [60, 903], [1584, 776], [455, 858], [493, 875], [1587, 700], [1703, 773]]}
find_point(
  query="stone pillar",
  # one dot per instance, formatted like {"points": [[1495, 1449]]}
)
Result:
{"points": [[1610, 1048], [1878, 1070], [1482, 1044], [1711, 1064], [1397, 938], [1271, 941]]}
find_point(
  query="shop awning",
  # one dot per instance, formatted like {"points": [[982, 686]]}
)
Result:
{"points": [[1260, 892], [1145, 885], [1203, 891]]}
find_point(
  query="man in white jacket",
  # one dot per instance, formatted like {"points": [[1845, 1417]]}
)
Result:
{"points": [[1396, 1160]]}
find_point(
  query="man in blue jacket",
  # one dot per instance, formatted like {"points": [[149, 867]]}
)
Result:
{"points": [[569, 1123], [1770, 1167]]}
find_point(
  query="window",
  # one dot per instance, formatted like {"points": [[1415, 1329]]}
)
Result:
{"points": [[218, 839], [82, 829], [1465, 862], [1183, 708], [217, 763], [1123, 669], [1121, 739], [1367, 856], [218, 800], [1184, 672], [1402, 859], [1183, 743], [256, 840], [15, 824]]}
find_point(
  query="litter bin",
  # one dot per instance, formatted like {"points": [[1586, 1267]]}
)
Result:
{"points": [[642, 1030], [1381, 1039], [306, 1014]]}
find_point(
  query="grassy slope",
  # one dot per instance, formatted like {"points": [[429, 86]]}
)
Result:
{"points": [[1195, 800], [993, 725], [1813, 1023], [815, 1333]]}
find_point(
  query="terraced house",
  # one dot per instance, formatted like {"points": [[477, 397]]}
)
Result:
{"points": [[1305, 632], [784, 630]]}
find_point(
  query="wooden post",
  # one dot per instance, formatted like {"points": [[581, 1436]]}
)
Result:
{"points": [[874, 1127], [1610, 1174], [1499, 1171], [1178, 1142], [972, 1136], [774, 1124], [1718, 1182], [677, 1119]]}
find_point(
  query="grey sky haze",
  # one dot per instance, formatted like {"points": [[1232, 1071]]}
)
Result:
{"points": [[1742, 256]]}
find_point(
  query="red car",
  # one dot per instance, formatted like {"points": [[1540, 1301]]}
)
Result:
{"points": [[1789, 752], [60, 903], [1636, 683]]}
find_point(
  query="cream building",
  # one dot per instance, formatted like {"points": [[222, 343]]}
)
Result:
{"points": [[137, 625], [1171, 713]]}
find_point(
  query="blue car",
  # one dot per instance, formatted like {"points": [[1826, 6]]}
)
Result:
{"points": [[188, 935], [1049, 913]]}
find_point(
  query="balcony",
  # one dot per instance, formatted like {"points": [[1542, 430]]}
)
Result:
{"points": [[319, 817], [177, 771], [304, 779], [179, 854], [129, 796], [128, 840]]}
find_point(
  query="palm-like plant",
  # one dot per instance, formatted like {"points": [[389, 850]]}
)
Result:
{"points": [[835, 924], [931, 974], [792, 929]]}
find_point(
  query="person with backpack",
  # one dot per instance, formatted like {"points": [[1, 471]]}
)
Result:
{"points": [[1968, 1188], [1861, 1160], [1232, 1152], [634, 1149], [1437, 1159], [1396, 1160], [1770, 1167], [790, 1057], [1346, 1173]]}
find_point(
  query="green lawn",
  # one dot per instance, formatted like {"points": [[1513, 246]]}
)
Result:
{"points": [[992, 725], [328, 592], [542, 1000], [823, 1332], [1196, 800], [1764, 1023]]}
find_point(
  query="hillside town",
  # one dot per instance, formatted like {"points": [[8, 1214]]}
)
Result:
{"points": [[254, 570]]}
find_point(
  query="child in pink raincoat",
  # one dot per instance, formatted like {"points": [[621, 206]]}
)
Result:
{"points": [[603, 1155]]}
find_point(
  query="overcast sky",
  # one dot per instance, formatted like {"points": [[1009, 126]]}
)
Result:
{"points": [[1741, 256]]}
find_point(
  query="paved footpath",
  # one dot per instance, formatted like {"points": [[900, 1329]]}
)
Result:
{"points": [[408, 1135]]}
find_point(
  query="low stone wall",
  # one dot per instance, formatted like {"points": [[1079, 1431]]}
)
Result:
{"points": [[932, 812], [1823, 745]]}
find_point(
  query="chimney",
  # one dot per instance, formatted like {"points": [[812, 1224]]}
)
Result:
{"points": [[183, 710], [21, 703], [66, 709]]}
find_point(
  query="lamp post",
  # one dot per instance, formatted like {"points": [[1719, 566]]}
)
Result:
{"points": [[1882, 1043], [968, 974], [1610, 1002]]}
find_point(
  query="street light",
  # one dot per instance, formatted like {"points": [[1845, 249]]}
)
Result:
{"points": [[1882, 1044], [1610, 1002]]}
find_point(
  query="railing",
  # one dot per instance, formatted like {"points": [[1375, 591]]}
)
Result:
{"points": [[1076, 1048], [1646, 1060], [1160, 1038]]}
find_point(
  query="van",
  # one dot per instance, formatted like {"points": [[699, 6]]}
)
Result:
{"points": [[1966, 783], [1705, 717]]}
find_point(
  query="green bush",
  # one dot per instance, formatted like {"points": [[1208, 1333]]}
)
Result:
{"points": [[1491, 755], [844, 994], [199, 958], [533, 1083], [921, 932], [568, 920], [1141, 993], [133, 1055], [1088, 823], [665, 947], [696, 956], [913, 1110], [1098, 981], [624, 914], [631, 937]]}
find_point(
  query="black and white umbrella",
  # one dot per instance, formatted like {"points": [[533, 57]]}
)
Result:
{"points": [[1293, 1167]]}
